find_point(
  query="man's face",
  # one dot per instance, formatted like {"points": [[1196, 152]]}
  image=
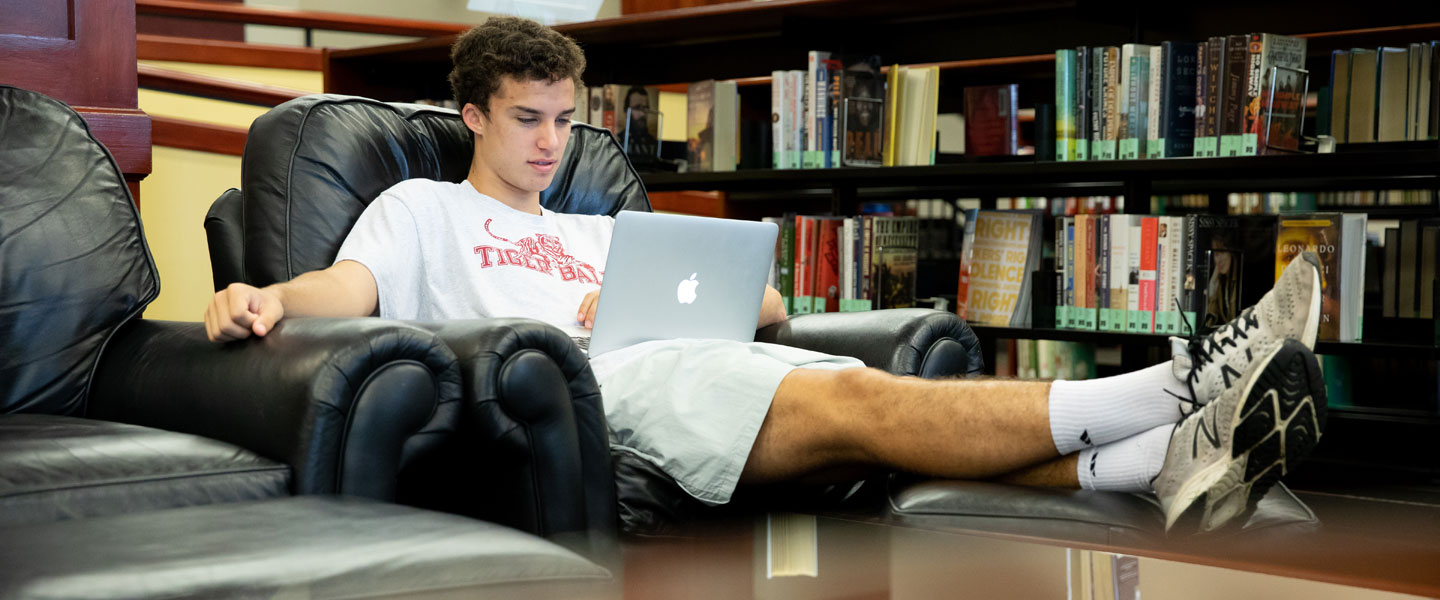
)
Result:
{"points": [[638, 103], [521, 140]]}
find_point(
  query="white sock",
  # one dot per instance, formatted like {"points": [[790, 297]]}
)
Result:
{"points": [[1099, 411], [1127, 465]]}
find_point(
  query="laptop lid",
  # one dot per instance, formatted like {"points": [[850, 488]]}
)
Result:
{"points": [[678, 276]]}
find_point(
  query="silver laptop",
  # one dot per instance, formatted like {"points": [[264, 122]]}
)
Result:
{"points": [[676, 276]]}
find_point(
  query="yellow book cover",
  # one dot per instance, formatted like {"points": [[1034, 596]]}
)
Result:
{"points": [[1005, 251], [893, 88]]}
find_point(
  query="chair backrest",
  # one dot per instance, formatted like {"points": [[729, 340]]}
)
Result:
{"points": [[74, 265], [313, 164]]}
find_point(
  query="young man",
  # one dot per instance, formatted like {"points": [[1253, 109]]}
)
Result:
{"points": [[1209, 432]]}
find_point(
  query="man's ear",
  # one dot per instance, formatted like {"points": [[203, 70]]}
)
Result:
{"points": [[474, 119]]}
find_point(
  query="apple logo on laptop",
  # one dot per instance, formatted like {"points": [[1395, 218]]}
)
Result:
{"points": [[686, 292]]}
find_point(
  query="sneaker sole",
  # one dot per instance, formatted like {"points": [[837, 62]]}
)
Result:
{"points": [[1275, 428]]}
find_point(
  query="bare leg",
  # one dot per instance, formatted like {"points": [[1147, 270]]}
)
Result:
{"points": [[1058, 473], [947, 428]]}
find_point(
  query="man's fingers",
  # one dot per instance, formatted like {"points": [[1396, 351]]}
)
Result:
{"points": [[269, 313], [239, 310]]}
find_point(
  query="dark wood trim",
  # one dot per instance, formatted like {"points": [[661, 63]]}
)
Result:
{"points": [[1418, 30], [203, 137], [705, 204], [126, 132], [240, 54], [169, 80], [297, 18]]}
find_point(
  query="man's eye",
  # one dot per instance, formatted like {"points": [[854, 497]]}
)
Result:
{"points": [[562, 122], [529, 121]]}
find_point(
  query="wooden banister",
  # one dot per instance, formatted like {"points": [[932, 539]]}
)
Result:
{"points": [[169, 80], [193, 135], [296, 18], [216, 52]]}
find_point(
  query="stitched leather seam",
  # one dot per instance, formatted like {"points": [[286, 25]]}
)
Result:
{"points": [[930, 351], [139, 480]]}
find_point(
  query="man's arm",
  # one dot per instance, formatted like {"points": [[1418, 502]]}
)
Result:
{"points": [[345, 289], [771, 309]]}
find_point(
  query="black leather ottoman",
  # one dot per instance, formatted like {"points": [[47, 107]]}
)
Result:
{"points": [[295, 547]]}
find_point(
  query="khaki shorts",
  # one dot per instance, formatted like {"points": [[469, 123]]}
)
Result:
{"points": [[694, 407]]}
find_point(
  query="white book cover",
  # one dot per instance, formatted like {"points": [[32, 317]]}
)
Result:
{"points": [[817, 82], [779, 119], [798, 128], [727, 125], [1152, 124]]}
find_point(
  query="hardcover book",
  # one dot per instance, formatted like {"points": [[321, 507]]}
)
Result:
{"points": [[1232, 104], [1066, 106], [1143, 318], [1102, 272], [1007, 252], [639, 121], [1121, 277], [1391, 101], [1325, 234], [967, 253], [1110, 104], [1082, 103], [1154, 90], [1339, 94], [992, 124], [1134, 99], [1360, 119], [1283, 107], [712, 118], [1207, 136], [863, 109], [1178, 110], [895, 245]]}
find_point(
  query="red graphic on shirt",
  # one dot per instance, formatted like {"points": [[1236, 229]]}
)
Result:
{"points": [[542, 253]]}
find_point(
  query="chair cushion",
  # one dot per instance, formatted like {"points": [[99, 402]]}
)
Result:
{"points": [[1076, 515], [73, 262], [313, 164], [298, 547], [54, 468]]}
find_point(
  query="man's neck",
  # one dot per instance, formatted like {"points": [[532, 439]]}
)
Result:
{"points": [[526, 202]]}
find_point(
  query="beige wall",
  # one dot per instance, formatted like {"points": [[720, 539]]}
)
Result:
{"points": [[448, 11], [183, 183]]}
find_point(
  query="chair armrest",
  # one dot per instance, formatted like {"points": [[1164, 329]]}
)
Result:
{"points": [[535, 429], [346, 403], [905, 341]]}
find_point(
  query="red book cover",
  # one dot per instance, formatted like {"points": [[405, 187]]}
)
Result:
{"points": [[1082, 270], [992, 124], [1149, 259], [827, 264]]}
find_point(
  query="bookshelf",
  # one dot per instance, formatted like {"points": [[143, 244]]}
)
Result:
{"points": [[981, 42]]}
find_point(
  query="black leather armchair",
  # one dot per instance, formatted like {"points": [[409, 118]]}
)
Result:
{"points": [[103, 412], [312, 165]]}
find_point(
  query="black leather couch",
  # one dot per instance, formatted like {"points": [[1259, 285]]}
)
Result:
{"points": [[313, 164], [129, 445]]}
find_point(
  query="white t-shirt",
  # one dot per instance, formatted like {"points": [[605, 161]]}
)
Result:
{"points": [[443, 250]]}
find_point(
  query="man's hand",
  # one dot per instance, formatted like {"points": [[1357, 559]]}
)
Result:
{"points": [[586, 316], [240, 310]]}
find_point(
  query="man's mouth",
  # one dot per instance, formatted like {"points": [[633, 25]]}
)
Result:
{"points": [[543, 164]]}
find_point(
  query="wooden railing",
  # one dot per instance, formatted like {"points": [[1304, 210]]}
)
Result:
{"points": [[202, 137], [305, 19], [169, 80], [215, 52]]}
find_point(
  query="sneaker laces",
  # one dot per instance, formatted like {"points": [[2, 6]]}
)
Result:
{"points": [[1202, 349]]}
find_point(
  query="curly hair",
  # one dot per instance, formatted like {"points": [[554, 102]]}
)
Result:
{"points": [[520, 48]]}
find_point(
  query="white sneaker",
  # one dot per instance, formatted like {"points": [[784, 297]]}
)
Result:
{"points": [[1290, 310], [1225, 456]]}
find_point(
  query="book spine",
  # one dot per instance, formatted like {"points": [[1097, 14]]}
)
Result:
{"points": [[1254, 82], [833, 71], [1132, 292], [1119, 272], [1096, 103], [1132, 142], [1232, 123], [867, 282], [1177, 132], [1149, 250], [1072, 311], [779, 118], [804, 233], [1082, 103], [1062, 268], [827, 262], [1153, 112], [816, 94], [1110, 145], [1065, 105], [787, 262], [1190, 290], [1207, 138], [796, 98], [1202, 62], [1102, 272]]}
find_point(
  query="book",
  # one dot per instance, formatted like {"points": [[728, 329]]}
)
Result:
{"points": [[638, 118], [597, 106], [1178, 96], [992, 122], [1109, 103], [1409, 247], [1071, 313], [1062, 311], [791, 545], [894, 243], [781, 118], [1152, 111], [1121, 276], [1433, 121], [1391, 99], [1133, 99], [711, 125], [1360, 114], [916, 116], [611, 103], [1006, 253], [862, 109], [1066, 105], [1325, 234], [1082, 307], [827, 265], [803, 301], [787, 263], [1232, 103], [1143, 317], [894, 85], [967, 253], [1267, 51], [819, 120], [1207, 136], [1283, 110], [1169, 278], [1082, 102], [1421, 58], [1102, 272], [1339, 94]]}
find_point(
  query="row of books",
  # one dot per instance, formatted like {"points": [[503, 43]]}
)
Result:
{"points": [[1044, 359], [1409, 255], [1238, 203], [1383, 94], [852, 112], [1238, 95], [1170, 275], [845, 264]]}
